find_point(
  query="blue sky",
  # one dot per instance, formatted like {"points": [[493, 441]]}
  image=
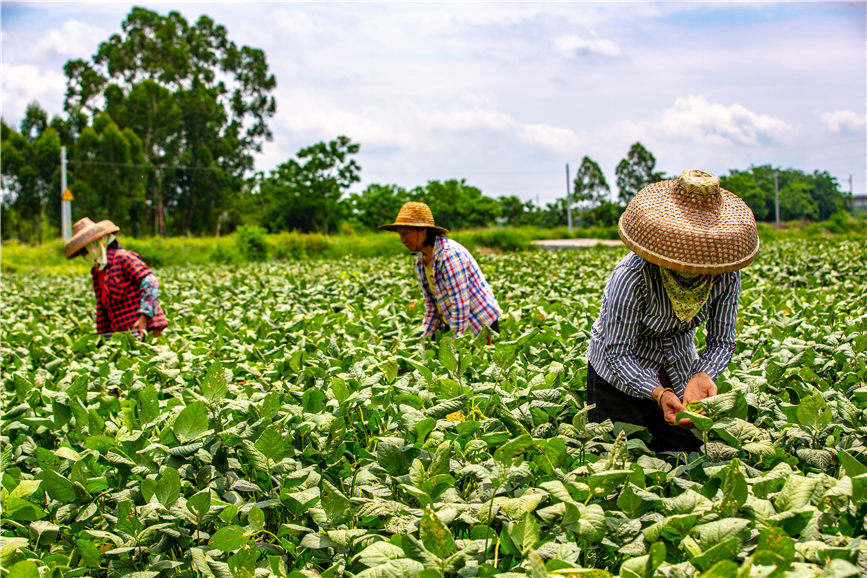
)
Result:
{"points": [[505, 94]]}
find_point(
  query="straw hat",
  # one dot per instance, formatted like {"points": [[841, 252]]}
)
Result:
{"points": [[414, 214], [690, 225], [86, 231]]}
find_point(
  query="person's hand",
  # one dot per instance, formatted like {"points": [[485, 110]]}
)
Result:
{"points": [[141, 325], [699, 387], [671, 406]]}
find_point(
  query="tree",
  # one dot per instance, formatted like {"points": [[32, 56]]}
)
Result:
{"points": [[802, 195], [377, 204], [193, 96], [635, 172], [108, 175], [457, 205], [30, 175], [590, 184], [306, 193]]}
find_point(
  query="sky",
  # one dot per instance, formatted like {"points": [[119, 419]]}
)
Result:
{"points": [[505, 95]]}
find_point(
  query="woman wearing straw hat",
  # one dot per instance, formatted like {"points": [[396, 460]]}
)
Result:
{"points": [[126, 290], [456, 293], [689, 239]]}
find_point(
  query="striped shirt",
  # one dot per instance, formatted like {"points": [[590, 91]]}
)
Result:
{"points": [[638, 334], [460, 291]]}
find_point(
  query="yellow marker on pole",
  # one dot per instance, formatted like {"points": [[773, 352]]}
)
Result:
{"points": [[67, 196]]}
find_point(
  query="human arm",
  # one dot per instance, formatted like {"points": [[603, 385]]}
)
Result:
{"points": [[624, 304], [454, 273], [720, 341]]}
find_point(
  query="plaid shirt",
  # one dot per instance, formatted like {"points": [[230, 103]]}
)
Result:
{"points": [[463, 295], [123, 276]]}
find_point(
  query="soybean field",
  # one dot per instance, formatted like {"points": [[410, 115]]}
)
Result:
{"points": [[292, 422]]}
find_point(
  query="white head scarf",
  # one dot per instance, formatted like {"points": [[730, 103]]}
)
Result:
{"points": [[96, 253]]}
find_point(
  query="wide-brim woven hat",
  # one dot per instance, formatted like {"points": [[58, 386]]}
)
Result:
{"points": [[414, 214], [86, 231], [691, 225]]}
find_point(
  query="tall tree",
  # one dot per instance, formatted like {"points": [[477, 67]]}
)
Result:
{"points": [[635, 171], [457, 205], [590, 184], [327, 171], [377, 204], [306, 193], [194, 97], [30, 174]]}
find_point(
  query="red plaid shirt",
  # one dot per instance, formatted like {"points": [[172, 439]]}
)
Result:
{"points": [[123, 277], [463, 295]]}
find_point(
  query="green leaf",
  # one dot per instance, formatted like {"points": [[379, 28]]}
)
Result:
{"points": [[168, 487], [447, 355], [271, 443], [214, 386], [200, 503], [435, 535], [588, 522], [191, 423], [734, 490], [702, 422], [336, 505], [23, 569], [813, 412], [380, 553], [228, 538], [795, 494], [506, 453], [58, 487], [851, 466]]}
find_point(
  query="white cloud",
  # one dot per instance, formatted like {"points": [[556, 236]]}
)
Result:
{"points": [[552, 138], [693, 118], [844, 121], [572, 44], [24, 83], [410, 125], [74, 39]]}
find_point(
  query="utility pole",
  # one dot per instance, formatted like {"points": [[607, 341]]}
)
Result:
{"points": [[776, 199], [568, 201], [65, 200]]}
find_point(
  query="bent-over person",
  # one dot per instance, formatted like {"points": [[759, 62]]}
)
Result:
{"points": [[689, 238], [127, 292], [457, 296]]}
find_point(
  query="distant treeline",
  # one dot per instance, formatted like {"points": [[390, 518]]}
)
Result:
{"points": [[161, 126]]}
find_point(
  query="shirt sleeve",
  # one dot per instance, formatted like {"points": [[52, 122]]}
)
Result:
{"points": [[431, 318], [134, 268], [624, 303], [722, 322], [150, 292], [454, 271], [102, 322]]}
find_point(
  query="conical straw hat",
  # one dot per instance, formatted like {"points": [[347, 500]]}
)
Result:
{"points": [[690, 225], [413, 214], [85, 231]]}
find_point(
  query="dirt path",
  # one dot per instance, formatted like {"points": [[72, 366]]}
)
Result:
{"points": [[557, 244]]}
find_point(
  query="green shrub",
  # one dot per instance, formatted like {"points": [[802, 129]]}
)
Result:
{"points": [[251, 243]]}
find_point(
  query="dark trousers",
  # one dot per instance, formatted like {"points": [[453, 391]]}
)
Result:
{"points": [[613, 404], [494, 326]]}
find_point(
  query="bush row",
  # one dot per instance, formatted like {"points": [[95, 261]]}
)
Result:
{"points": [[252, 244]]}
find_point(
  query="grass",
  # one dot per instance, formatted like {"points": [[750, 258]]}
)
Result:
{"points": [[178, 251]]}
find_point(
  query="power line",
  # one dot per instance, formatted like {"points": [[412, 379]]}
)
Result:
{"points": [[152, 167]]}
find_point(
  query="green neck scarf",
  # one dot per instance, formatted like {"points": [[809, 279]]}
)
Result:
{"points": [[687, 293]]}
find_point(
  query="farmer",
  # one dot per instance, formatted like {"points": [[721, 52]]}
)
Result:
{"points": [[455, 291], [689, 239], [126, 290]]}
